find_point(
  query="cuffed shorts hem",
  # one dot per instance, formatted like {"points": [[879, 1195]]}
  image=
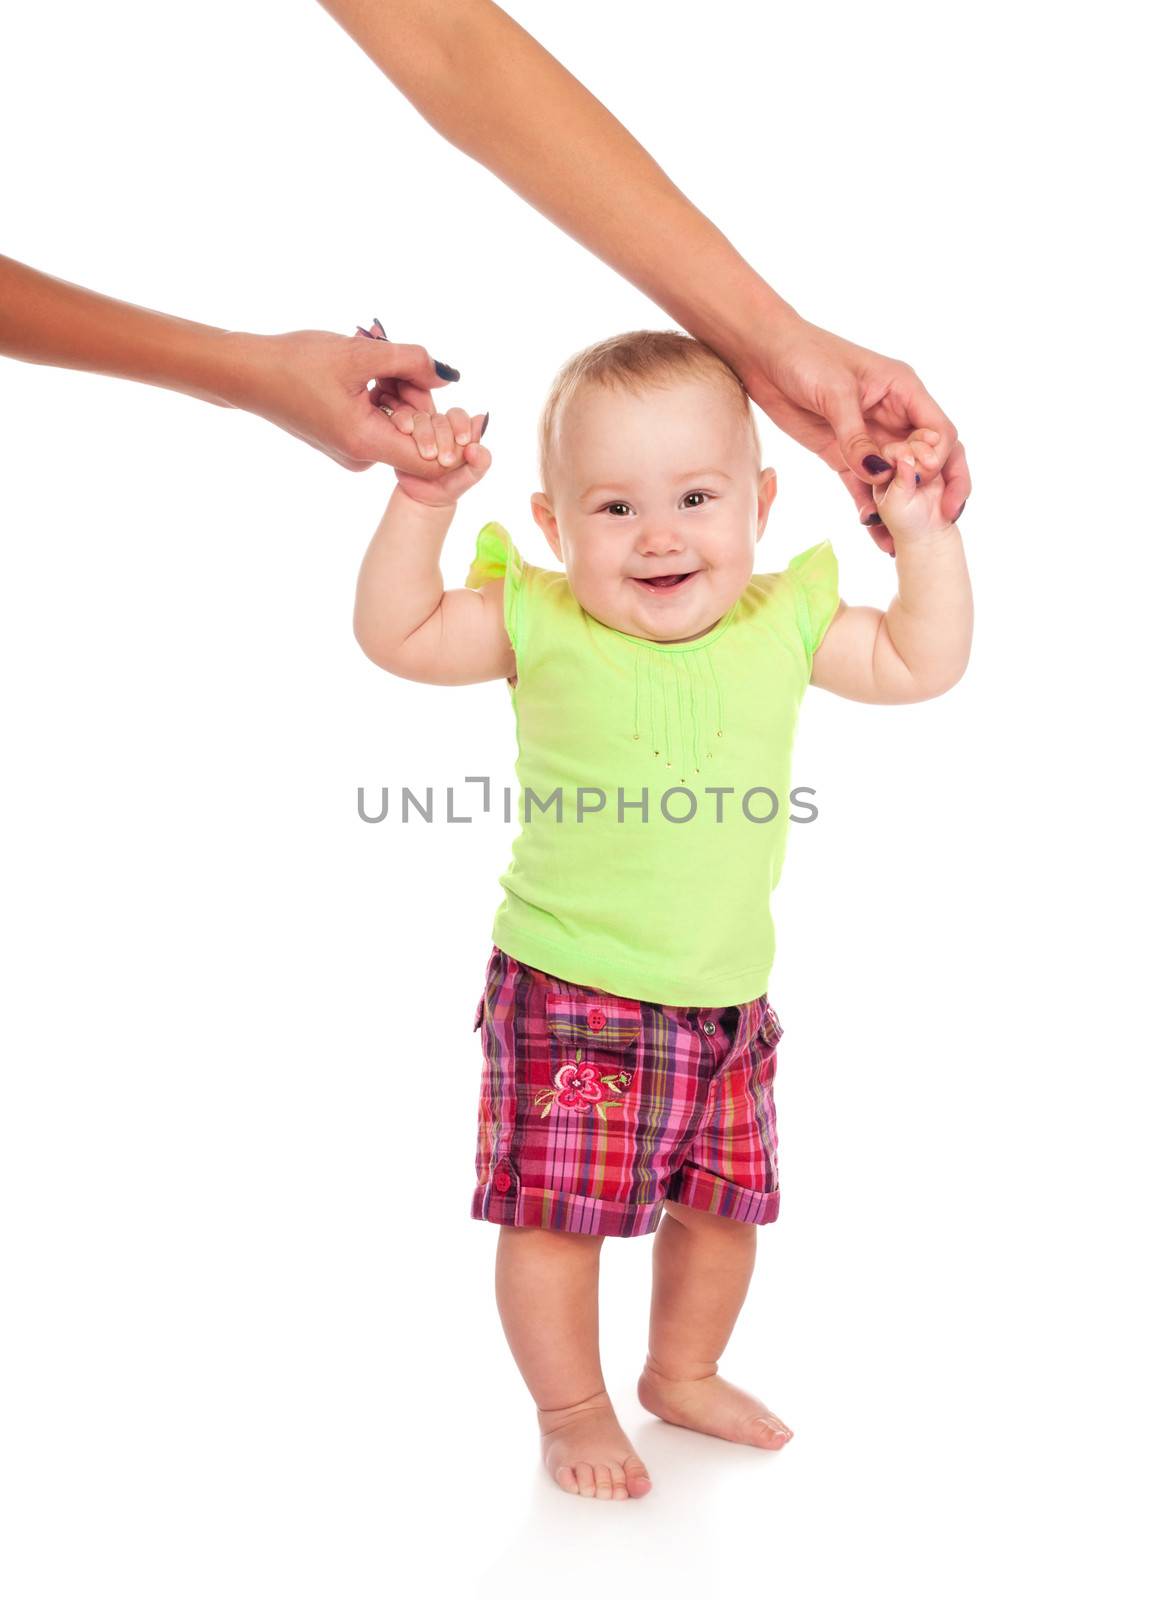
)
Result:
{"points": [[705, 1191], [573, 1213], [565, 1213]]}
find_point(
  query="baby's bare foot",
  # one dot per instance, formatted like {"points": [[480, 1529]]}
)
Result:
{"points": [[587, 1452], [711, 1405]]}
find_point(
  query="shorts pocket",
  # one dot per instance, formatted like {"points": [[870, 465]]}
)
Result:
{"points": [[771, 1029], [478, 1021], [594, 1021], [592, 1055]]}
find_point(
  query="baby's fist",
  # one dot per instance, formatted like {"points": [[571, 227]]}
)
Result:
{"points": [[454, 440], [910, 507]]}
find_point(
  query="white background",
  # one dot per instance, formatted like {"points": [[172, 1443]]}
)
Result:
{"points": [[250, 1346]]}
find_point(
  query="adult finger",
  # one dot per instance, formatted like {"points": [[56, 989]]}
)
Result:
{"points": [[383, 358], [957, 483], [860, 492], [841, 408], [387, 391], [442, 369], [415, 395]]}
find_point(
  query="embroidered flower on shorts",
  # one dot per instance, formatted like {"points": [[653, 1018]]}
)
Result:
{"points": [[580, 1086]]}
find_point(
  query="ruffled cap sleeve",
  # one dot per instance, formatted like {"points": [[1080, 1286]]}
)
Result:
{"points": [[495, 556], [814, 574]]}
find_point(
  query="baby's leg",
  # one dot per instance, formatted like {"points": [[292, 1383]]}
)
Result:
{"points": [[546, 1285], [702, 1264]]}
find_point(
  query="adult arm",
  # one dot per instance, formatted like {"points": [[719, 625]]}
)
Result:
{"points": [[493, 91], [312, 384]]}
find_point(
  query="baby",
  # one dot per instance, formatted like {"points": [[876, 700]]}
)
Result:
{"points": [[628, 1043]]}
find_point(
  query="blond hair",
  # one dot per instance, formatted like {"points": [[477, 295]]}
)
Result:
{"points": [[648, 358]]}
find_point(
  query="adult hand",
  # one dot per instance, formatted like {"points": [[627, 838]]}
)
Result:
{"points": [[846, 404], [316, 386], [313, 385]]}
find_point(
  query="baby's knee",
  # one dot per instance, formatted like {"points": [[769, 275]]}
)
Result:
{"points": [[549, 1241], [709, 1222]]}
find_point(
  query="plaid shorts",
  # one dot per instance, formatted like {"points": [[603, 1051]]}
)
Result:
{"points": [[594, 1109]]}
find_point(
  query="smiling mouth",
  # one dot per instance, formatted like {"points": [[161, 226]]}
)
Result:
{"points": [[673, 580]]}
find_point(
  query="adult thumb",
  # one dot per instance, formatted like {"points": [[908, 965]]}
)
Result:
{"points": [[384, 358], [858, 448]]}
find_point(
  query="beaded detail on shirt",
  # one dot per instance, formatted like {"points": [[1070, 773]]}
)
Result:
{"points": [[677, 707]]}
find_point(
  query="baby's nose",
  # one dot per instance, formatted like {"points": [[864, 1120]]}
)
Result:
{"points": [[659, 538]]}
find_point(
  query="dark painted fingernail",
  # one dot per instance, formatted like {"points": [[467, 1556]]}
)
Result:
{"points": [[871, 521], [876, 464], [964, 503], [449, 373], [380, 330], [917, 476], [364, 332], [487, 419]]}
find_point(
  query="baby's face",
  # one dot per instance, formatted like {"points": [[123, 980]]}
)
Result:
{"points": [[661, 484]]}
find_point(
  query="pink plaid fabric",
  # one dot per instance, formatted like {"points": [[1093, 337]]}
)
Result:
{"points": [[595, 1108]]}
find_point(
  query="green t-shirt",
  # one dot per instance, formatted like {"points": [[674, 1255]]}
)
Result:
{"points": [[603, 888]]}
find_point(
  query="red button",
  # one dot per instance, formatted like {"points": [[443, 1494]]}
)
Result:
{"points": [[502, 1179], [596, 1020]]}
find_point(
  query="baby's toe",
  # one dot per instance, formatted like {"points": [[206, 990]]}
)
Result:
{"points": [[769, 1433], [566, 1478], [604, 1483], [586, 1478], [637, 1479]]}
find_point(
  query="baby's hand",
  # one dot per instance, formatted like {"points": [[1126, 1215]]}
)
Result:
{"points": [[909, 508], [452, 438]]}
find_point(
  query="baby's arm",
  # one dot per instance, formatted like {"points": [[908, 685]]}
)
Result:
{"points": [[920, 646], [403, 619]]}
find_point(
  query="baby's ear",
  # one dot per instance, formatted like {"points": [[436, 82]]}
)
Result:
{"points": [[768, 484], [541, 510]]}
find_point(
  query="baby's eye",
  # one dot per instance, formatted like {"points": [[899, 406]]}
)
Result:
{"points": [[695, 497], [618, 508]]}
